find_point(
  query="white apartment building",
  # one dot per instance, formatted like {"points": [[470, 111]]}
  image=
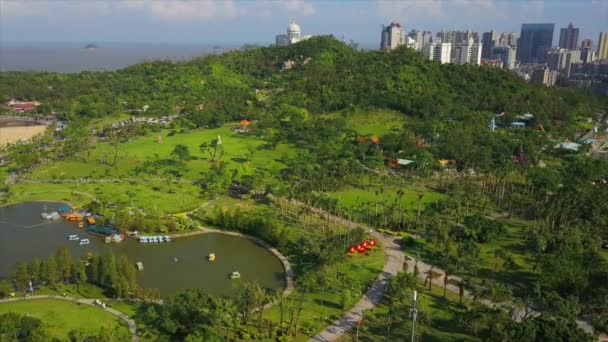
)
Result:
{"points": [[468, 52], [441, 52]]}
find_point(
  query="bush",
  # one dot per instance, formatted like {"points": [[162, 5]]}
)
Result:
{"points": [[479, 229]]}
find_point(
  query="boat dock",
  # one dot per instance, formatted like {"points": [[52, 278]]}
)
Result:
{"points": [[154, 239]]}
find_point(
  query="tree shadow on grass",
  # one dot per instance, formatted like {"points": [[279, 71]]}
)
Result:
{"points": [[328, 304]]}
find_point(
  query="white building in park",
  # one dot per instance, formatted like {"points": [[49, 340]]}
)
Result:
{"points": [[294, 35]]}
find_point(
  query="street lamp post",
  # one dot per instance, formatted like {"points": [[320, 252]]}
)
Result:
{"points": [[414, 315]]}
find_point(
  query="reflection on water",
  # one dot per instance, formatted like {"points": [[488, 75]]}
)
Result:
{"points": [[24, 235]]}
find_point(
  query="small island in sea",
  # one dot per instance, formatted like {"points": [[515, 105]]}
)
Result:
{"points": [[91, 47]]}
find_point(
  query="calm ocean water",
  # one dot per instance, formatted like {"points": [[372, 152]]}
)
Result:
{"points": [[73, 57]]}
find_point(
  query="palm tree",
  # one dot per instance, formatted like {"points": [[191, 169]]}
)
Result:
{"points": [[419, 199]]}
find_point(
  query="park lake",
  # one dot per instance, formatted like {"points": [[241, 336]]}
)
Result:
{"points": [[179, 264]]}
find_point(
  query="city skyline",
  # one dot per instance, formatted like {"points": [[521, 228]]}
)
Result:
{"points": [[234, 22]]}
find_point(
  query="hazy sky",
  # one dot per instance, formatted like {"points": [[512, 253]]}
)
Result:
{"points": [[258, 21]]}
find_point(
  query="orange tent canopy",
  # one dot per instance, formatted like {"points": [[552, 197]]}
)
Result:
{"points": [[245, 123]]}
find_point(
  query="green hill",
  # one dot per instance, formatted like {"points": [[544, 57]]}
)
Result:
{"points": [[321, 74]]}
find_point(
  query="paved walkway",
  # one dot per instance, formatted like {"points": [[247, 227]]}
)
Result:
{"points": [[127, 319], [393, 263]]}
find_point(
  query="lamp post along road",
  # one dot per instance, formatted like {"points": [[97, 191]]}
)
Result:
{"points": [[414, 315]]}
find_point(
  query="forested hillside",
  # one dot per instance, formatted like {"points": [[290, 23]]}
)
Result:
{"points": [[389, 140], [324, 75]]}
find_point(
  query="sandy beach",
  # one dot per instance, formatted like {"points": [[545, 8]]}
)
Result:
{"points": [[12, 134]]}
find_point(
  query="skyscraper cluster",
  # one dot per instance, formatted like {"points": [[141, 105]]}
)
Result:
{"points": [[532, 54]]}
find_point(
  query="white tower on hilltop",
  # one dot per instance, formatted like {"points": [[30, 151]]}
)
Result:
{"points": [[293, 32], [293, 35]]}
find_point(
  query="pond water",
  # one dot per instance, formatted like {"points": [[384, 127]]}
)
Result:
{"points": [[24, 235]]}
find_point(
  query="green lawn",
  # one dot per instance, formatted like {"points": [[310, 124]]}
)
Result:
{"points": [[518, 276], [444, 323], [156, 194], [350, 197], [61, 316], [156, 197], [373, 121], [132, 154]]}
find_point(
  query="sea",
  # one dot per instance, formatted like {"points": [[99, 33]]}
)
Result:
{"points": [[72, 57]]}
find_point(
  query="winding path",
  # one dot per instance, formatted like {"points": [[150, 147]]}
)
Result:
{"points": [[393, 264], [131, 323]]}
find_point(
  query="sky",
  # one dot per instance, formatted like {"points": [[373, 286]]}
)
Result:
{"points": [[258, 21]]}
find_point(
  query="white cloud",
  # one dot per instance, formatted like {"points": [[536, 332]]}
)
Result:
{"points": [[404, 10], [15, 8], [299, 7], [193, 10], [166, 10], [48, 8], [288, 8]]}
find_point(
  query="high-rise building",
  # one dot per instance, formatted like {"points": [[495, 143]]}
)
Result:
{"points": [[587, 53], [422, 38], [508, 38], [544, 76], [410, 43], [468, 52], [444, 36], [293, 35], [427, 38], [568, 37], [562, 59], [441, 52], [534, 41], [463, 36], [417, 37], [488, 41], [506, 54], [587, 43], [392, 36], [602, 46]]}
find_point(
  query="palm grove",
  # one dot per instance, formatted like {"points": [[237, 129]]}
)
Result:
{"points": [[306, 94]]}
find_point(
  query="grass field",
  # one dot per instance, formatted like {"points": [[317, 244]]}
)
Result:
{"points": [[61, 316], [238, 149], [154, 196], [443, 324], [350, 197], [158, 193], [516, 277], [373, 121]]}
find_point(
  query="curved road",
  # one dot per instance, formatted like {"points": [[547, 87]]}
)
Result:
{"points": [[127, 319], [392, 265]]}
